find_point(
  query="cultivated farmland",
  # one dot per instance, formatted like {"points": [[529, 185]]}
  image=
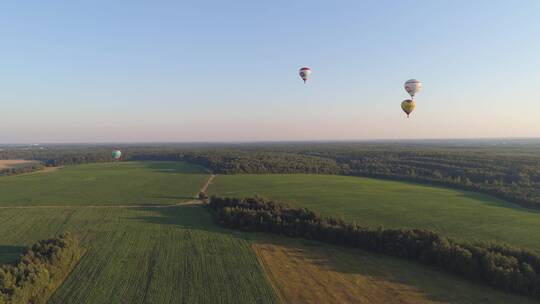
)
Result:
{"points": [[154, 255], [373, 202], [312, 272], [134, 255], [122, 183], [167, 253]]}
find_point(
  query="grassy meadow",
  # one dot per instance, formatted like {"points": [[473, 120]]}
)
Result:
{"points": [[120, 183], [391, 204], [179, 255]]}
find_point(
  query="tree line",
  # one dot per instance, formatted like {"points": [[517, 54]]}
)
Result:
{"points": [[512, 177], [222, 160], [502, 266], [236, 162], [507, 169], [511, 172], [21, 169], [41, 269], [56, 156]]}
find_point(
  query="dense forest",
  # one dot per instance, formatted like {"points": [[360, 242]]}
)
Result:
{"points": [[236, 161], [42, 268], [509, 170], [508, 178], [510, 173], [503, 267], [220, 159]]}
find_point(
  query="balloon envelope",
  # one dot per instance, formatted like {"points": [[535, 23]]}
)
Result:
{"points": [[304, 73], [116, 154], [408, 106], [413, 86]]}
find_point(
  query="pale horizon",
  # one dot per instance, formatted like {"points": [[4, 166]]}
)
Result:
{"points": [[470, 140], [215, 72]]}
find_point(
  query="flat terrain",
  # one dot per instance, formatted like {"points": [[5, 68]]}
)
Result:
{"points": [[176, 254], [14, 163], [373, 202], [134, 255], [121, 183], [311, 272], [143, 255]]}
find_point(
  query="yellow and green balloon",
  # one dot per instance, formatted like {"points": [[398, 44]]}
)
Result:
{"points": [[408, 106]]}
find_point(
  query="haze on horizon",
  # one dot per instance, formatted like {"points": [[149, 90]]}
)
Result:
{"points": [[135, 71]]}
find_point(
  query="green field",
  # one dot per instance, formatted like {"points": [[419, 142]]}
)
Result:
{"points": [[177, 254], [373, 202], [134, 255], [152, 255], [105, 184]]}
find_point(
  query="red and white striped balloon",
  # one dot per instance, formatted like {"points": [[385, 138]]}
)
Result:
{"points": [[304, 73]]}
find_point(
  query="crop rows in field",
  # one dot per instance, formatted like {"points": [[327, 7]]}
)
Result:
{"points": [[178, 255], [375, 203], [136, 183], [168, 255]]}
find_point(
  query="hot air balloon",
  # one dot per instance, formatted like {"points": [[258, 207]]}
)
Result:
{"points": [[116, 154], [408, 106], [304, 73], [413, 86]]}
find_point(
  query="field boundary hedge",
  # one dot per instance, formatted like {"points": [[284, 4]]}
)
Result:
{"points": [[501, 266], [41, 269], [23, 169]]}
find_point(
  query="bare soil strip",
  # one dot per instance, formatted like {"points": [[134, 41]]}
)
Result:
{"points": [[304, 275], [308, 272], [13, 163], [190, 203], [208, 182], [50, 169]]}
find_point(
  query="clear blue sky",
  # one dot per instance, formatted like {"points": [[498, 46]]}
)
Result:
{"points": [[116, 71]]}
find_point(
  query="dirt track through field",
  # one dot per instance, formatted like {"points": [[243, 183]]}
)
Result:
{"points": [[193, 202], [208, 182]]}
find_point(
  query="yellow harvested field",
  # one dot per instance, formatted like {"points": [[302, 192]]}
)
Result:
{"points": [[11, 163], [317, 273]]}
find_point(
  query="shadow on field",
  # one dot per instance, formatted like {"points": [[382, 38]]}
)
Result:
{"points": [[495, 202], [186, 217], [344, 270], [10, 253], [377, 274]]}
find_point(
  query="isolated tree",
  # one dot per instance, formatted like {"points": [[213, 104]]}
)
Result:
{"points": [[202, 196]]}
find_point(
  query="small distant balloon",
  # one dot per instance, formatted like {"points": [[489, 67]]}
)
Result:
{"points": [[304, 73], [116, 154], [413, 86], [408, 106]]}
